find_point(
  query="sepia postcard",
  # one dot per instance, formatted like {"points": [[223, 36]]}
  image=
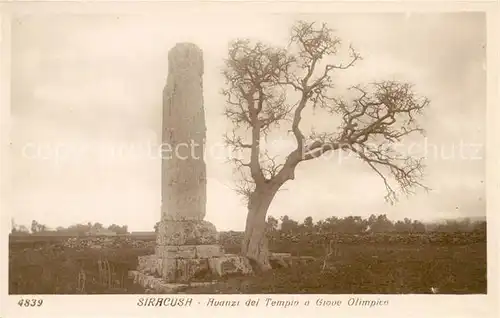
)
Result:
{"points": [[249, 158]]}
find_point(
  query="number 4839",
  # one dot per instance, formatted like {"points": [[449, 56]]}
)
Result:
{"points": [[30, 302]]}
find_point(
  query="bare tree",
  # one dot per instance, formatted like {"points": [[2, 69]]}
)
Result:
{"points": [[261, 80]]}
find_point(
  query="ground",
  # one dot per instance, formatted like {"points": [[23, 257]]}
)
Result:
{"points": [[382, 267], [374, 270]]}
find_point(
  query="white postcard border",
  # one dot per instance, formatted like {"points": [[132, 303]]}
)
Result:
{"points": [[126, 305]]}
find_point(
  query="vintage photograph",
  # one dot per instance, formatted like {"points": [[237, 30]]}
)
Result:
{"points": [[277, 153]]}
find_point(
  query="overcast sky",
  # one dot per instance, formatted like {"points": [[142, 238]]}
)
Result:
{"points": [[90, 84]]}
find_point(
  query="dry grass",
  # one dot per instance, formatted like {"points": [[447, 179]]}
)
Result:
{"points": [[54, 270], [341, 268], [374, 270]]}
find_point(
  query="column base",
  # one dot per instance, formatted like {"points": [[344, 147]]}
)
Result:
{"points": [[163, 273], [187, 251], [193, 263]]}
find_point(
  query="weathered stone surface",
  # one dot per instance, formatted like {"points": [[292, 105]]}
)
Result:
{"points": [[278, 262], [230, 264], [159, 286], [184, 269], [189, 269], [169, 269], [183, 168], [162, 250], [150, 264], [189, 251], [209, 251], [185, 251], [154, 283], [186, 233]]}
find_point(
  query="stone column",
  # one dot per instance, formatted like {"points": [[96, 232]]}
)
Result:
{"points": [[183, 136], [186, 244], [185, 241]]}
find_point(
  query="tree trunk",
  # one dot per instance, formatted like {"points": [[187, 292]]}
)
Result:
{"points": [[254, 245]]}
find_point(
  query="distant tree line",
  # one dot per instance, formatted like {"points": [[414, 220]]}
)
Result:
{"points": [[349, 224], [372, 224], [73, 230]]}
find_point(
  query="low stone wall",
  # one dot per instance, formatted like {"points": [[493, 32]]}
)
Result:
{"points": [[279, 239], [107, 242], [278, 242]]}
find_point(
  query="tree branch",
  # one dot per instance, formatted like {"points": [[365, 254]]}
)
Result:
{"points": [[258, 75]]}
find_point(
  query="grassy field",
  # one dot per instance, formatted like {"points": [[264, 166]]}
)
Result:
{"points": [[385, 268], [375, 269]]}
